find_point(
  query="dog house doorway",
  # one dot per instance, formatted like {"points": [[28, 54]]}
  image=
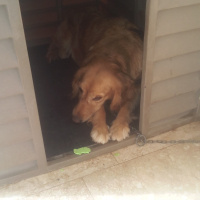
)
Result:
{"points": [[52, 81], [170, 82]]}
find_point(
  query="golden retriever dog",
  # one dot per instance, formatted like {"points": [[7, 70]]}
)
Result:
{"points": [[109, 53]]}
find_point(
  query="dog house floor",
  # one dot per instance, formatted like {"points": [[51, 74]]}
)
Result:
{"points": [[52, 83]]}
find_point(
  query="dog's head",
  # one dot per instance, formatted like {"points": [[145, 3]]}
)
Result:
{"points": [[94, 84]]}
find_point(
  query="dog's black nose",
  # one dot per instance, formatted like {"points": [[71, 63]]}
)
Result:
{"points": [[76, 119]]}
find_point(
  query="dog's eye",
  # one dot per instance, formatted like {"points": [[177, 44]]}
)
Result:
{"points": [[97, 98]]}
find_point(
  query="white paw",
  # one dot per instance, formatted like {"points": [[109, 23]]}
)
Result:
{"points": [[119, 131], [100, 135]]}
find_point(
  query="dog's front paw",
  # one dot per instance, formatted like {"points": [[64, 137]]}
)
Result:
{"points": [[100, 134], [119, 131]]}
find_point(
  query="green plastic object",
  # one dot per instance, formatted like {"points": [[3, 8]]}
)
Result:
{"points": [[82, 150], [116, 154]]}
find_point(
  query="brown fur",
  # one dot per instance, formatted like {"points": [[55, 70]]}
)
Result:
{"points": [[109, 52]]}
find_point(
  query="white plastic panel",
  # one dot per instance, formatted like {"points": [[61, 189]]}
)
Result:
{"points": [[176, 86], [27, 167], [12, 108], [171, 75], [177, 44], [10, 83], [21, 145], [173, 106], [4, 22], [169, 123], [167, 4], [179, 19], [8, 57], [176, 66], [15, 132], [10, 155]]}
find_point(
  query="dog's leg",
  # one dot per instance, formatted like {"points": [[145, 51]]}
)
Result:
{"points": [[120, 127], [100, 133]]}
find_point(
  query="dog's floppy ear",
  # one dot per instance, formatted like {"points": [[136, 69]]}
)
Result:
{"points": [[122, 90], [76, 81], [117, 98]]}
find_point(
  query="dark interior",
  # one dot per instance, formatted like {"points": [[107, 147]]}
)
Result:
{"points": [[52, 83]]}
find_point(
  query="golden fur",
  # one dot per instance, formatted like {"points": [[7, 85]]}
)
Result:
{"points": [[109, 53]]}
